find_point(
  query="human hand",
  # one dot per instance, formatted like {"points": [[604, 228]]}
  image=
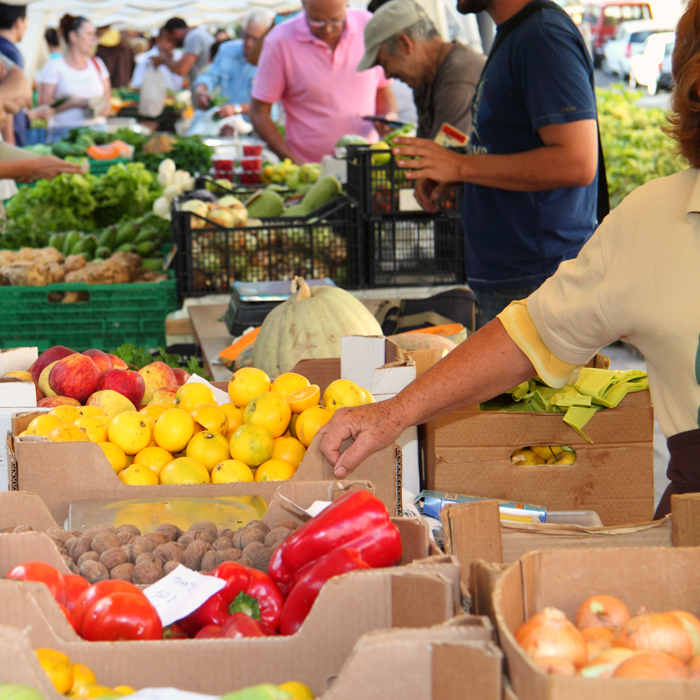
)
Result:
{"points": [[427, 192], [430, 161], [40, 112], [201, 98], [371, 427], [158, 60], [226, 111], [106, 109], [48, 167]]}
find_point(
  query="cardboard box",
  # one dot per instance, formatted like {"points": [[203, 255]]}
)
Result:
{"points": [[469, 452], [659, 578]]}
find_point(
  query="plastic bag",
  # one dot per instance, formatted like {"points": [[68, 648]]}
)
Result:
{"points": [[208, 123], [153, 94]]}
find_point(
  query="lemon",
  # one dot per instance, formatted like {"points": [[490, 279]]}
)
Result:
{"points": [[231, 471], [297, 690], [526, 458], [251, 444], [343, 393], [82, 675], [189, 396], [91, 411], [124, 689], [274, 470], [44, 424], [234, 414], [138, 475], [292, 426], [68, 433], [57, 667], [301, 399], [208, 448], [154, 457], [246, 384], [289, 449], [270, 411], [381, 158], [184, 470], [368, 395], [211, 418], [174, 429], [288, 382], [130, 430], [68, 414], [94, 428], [152, 412], [547, 451], [310, 422], [88, 691], [114, 454]]}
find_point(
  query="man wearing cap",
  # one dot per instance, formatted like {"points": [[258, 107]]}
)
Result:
{"points": [[402, 40], [308, 64], [196, 45]]}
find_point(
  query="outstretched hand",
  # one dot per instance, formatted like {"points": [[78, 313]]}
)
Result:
{"points": [[428, 160]]}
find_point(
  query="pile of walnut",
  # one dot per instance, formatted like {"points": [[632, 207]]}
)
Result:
{"points": [[104, 552], [36, 267]]}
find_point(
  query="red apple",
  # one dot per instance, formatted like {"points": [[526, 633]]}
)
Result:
{"points": [[57, 352], [39, 395], [117, 361], [51, 401], [111, 402], [101, 359], [164, 395], [76, 376], [125, 382], [43, 383], [156, 375], [182, 375]]}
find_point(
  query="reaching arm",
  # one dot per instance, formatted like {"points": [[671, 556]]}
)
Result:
{"points": [[8, 131], [180, 67], [46, 167], [267, 130], [15, 92], [484, 366]]}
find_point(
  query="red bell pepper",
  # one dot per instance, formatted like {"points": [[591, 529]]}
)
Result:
{"points": [[237, 626], [358, 520], [247, 591], [174, 631], [303, 595]]}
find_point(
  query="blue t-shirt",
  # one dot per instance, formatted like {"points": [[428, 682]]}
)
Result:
{"points": [[230, 73], [541, 74], [20, 121]]}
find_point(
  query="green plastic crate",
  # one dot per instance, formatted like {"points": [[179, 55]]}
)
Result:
{"points": [[100, 167], [112, 315]]}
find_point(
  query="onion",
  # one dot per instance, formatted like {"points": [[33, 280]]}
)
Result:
{"points": [[654, 665], [604, 665], [602, 611], [549, 633], [555, 666], [602, 636], [656, 632], [692, 627], [694, 667]]}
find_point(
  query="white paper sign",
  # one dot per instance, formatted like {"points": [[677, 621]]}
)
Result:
{"points": [[169, 694], [317, 507], [181, 592]]}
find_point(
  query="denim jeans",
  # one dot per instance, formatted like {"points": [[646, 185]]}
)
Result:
{"points": [[493, 301]]}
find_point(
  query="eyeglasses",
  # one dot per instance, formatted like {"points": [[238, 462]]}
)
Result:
{"points": [[77, 23], [248, 37], [335, 25]]}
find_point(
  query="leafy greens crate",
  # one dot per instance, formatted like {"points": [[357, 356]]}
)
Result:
{"points": [[376, 186], [325, 243], [104, 317]]}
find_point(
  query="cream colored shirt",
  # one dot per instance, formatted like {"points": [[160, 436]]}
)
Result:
{"points": [[637, 279]]}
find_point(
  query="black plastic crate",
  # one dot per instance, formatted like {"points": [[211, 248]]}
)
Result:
{"points": [[376, 188], [414, 249], [326, 243]]}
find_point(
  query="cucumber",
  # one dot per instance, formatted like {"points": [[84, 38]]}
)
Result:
{"points": [[155, 264], [125, 248], [108, 237], [146, 248], [147, 233], [127, 233], [70, 240], [89, 245]]}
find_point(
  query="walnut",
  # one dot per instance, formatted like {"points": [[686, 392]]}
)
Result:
{"points": [[257, 524], [59, 545], [76, 533], [104, 541], [289, 524], [244, 561], [226, 532], [129, 551], [123, 572], [96, 529], [207, 526], [170, 566], [147, 543], [236, 539], [93, 571], [276, 535], [252, 535], [88, 556], [71, 565], [70, 544], [23, 528], [192, 535], [127, 533], [192, 558], [170, 532], [113, 557], [147, 557], [222, 543], [81, 546], [212, 559], [252, 549], [180, 545], [147, 572], [169, 552], [261, 559]]}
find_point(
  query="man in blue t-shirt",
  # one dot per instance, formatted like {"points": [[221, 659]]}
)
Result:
{"points": [[531, 173]]}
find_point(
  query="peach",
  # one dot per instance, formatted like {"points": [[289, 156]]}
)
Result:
{"points": [[163, 395], [101, 359], [156, 375], [182, 375], [57, 352], [51, 401], [111, 402], [124, 381], [117, 361], [76, 376]]}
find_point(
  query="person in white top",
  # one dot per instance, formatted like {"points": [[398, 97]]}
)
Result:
{"points": [[78, 78], [166, 45]]}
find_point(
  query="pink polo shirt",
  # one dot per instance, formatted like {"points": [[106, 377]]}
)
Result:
{"points": [[324, 97]]}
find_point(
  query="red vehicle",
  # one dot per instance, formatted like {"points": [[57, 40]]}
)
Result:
{"points": [[601, 18]]}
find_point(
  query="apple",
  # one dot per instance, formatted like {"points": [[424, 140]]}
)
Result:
{"points": [[19, 374], [111, 402], [117, 361], [125, 381], [51, 401], [57, 352], [101, 359], [165, 394], [76, 376], [156, 375], [43, 382], [182, 375], [39, 394]]}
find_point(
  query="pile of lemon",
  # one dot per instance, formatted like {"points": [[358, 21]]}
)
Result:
{"points": [[261, 436]]}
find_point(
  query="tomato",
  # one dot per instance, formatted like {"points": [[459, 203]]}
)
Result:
{"points": [[122, 616], [97, 591], [66, 612], [75, 585], [44, 573]]}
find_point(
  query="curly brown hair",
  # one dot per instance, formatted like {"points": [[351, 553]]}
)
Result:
{"points": [[684, 115]]}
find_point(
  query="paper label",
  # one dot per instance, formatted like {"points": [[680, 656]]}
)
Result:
{"points": [[449, 136], [169, 694], [181, 592]]}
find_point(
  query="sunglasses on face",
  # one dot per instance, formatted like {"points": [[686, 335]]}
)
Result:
{"points": [[334, 25]]}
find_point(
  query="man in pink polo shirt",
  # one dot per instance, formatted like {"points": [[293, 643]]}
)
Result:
{"points": [[308, 63]]}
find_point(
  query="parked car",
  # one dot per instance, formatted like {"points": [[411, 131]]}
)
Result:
{"points": [[628, 41], [646, 67], [666, 69], [601, 17]]}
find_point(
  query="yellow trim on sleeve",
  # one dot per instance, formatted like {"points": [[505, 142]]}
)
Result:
{"points": [[523, 332]]}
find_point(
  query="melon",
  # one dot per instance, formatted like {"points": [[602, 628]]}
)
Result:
{"points": [[309, 325]]}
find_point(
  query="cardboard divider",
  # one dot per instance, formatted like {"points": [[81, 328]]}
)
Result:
{"points": [[657, 577]]}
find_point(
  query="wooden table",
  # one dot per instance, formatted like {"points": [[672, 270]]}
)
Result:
{"points": [[213, 336]]}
